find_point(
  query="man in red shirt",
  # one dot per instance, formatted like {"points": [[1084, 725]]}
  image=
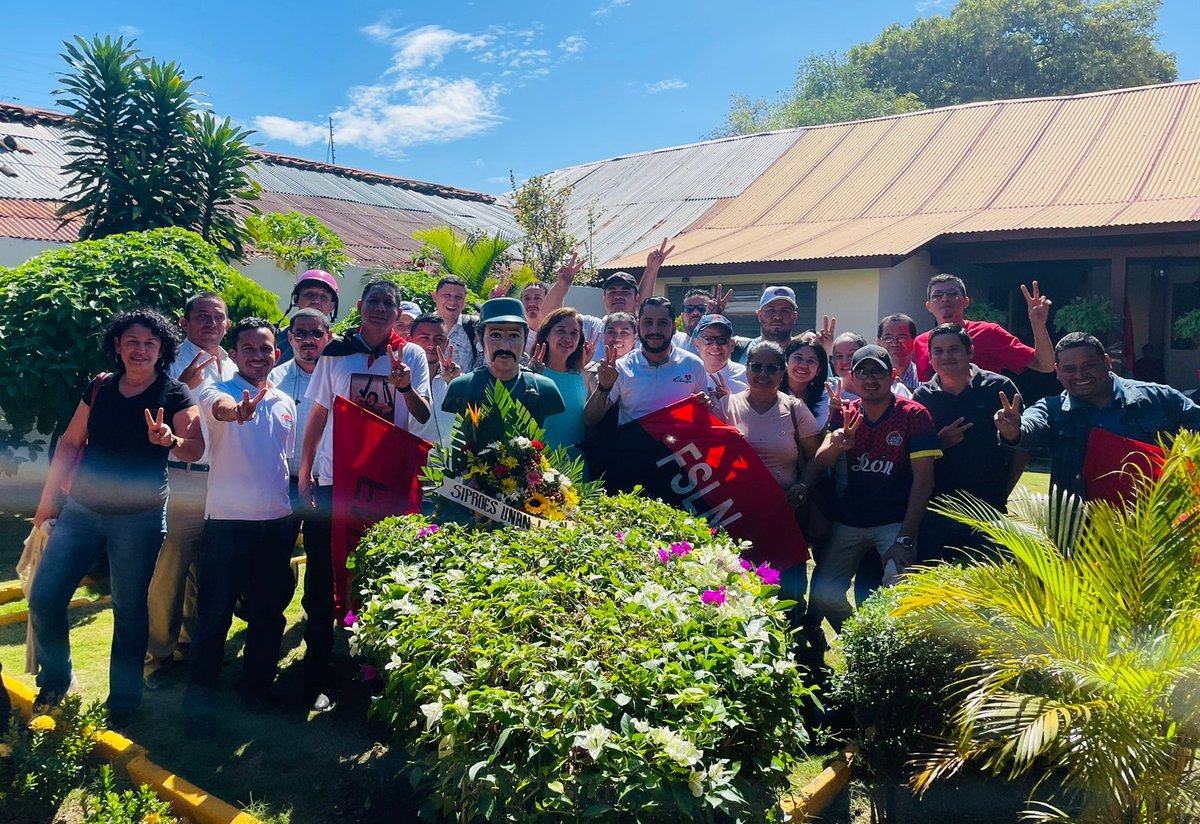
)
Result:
{"points": [[996, 349]]}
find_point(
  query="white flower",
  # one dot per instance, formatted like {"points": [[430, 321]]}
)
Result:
{"points": [[521, 442], [741, 670], [641, 726], [782, 666], [433, 713], [696, 783], [404, 606], [681, 751], [756, 630], [593, 739]]}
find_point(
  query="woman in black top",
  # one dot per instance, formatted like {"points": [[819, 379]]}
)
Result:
{"points": [[126, 424]]}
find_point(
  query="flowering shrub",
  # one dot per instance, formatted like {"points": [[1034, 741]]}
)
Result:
{"points": [[627, 668]]}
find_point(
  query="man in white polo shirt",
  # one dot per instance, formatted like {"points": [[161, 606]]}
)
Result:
{"points": [[714, 342], [248, 535], [650, 378]]}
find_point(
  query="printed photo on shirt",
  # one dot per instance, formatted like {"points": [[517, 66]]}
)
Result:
{"points": [[374, 393]]}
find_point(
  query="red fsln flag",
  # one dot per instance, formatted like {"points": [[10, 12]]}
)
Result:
{"points": [[691, 460], [376, 474], [1113, 465]]}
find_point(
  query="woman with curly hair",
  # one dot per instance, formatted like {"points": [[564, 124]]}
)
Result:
{"points": [[126, 425]]}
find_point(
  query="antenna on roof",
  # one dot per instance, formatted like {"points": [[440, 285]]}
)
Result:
{"points": [[332, 152]]}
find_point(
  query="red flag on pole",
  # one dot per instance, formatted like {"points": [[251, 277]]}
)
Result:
{"points": [[692, 460], [376, 474], [1113, 465]]}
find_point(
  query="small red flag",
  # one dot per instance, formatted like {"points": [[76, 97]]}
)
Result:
{"points": [[1113, 465]]}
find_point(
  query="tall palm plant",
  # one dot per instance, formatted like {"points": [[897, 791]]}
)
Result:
{"points": [[1088, 630], [478, 259]]}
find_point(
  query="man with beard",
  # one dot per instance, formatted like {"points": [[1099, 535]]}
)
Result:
{"points": [[777, 317], [996, 349], [504, 329], [372, 359], [650, 378], [622, 293]]}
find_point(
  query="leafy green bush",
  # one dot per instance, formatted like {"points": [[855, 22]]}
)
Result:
{"points": [[415, 284], [44, 760], [1187, 327], [245, 298], [1095, 316], [53, 307], [293, 239], [897, 681], [107, 805], [629, 668], [982, 310]]}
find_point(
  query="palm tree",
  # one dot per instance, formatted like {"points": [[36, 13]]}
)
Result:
{"points": [[1088, 631], [478, 259]]}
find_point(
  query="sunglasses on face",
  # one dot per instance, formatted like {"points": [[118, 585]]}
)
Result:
{"points": [[769, 368], [308, 334], [707, 341], [694, 310]]}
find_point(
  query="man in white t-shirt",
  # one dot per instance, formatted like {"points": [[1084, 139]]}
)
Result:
{"points": [[450, 299], [429, 333], [378, 370], [172, 598], [248, 524], [714, 343], [777, 316], [650, 378]]}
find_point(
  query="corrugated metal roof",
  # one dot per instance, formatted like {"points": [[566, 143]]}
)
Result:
{"points": [[890, 185], [34, 220]]}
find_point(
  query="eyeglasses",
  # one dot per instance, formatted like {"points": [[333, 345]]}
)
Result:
{"points": [[895, 339], [769, 368], [694, 310], [952, 294], [707, 341], [307, 334]]}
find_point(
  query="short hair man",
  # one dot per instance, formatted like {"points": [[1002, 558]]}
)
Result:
{"points": [[248, 534], [714, 343], [650, 378], [371, 359], [449, 300], [622, 292], [504, 330], [172, 597], [533, 297], [1092, 397], [996, 349], [890, 446], [896, 334], [429, 333], [963, 400], [777, 316], [697, 303]]}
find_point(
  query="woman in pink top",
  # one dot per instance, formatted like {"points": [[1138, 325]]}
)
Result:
{"points": [[785, 435]]}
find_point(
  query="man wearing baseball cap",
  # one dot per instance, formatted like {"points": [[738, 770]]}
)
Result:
{"points": [[776, 318], [622, 292], [890, 446], [713, 341], [504, 329], [409, 311]]}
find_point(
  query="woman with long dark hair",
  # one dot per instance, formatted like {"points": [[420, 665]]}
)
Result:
{"points": [[126, 424], [560, 352], [807, 372]]}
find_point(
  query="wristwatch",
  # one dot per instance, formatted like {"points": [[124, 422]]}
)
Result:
{"points": [[905, 541]]}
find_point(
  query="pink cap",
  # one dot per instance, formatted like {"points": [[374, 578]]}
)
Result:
{"points": [[320, 276]]}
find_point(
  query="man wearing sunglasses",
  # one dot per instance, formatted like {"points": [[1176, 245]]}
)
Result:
{"points": [[996, 349], [714, 342], [890, 446]]}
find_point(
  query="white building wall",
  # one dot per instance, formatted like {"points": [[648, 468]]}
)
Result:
{"points": [[902, 288], [15, 251]]}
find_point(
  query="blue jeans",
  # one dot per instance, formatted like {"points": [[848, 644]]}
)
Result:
{"points": [[81, 534]]}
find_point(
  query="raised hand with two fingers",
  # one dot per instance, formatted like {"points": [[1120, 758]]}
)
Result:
{"points": [[447, 368], [590, 345], [1037, 304], [537, 358], [843, 439], [245, 409], [193, 374], [657, 256], [952, 434], [720, 300], [400, 375], [158, 432], [827, 333], [1008, 418], [567, 272]]}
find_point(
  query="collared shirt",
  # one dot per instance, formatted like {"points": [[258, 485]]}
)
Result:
{"points": [[220, 370], [978, 465], [249, 476], [537, 393], [467, 355], [293, 381], [996, 349], [643, 387], [909, 377], [1139, 410]]}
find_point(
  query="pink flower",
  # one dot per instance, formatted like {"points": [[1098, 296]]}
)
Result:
{"points": [[713, 597], [426, 531], [746, 565], [712, 530], [768, 576], [351, 619], [681, 548], [369, 673], [664, 556], [533, 478]]}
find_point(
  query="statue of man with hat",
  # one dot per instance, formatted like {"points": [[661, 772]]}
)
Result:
{"points": [[504, 329]]}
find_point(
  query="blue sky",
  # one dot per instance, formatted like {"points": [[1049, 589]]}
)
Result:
{"points": [[460, 93]]}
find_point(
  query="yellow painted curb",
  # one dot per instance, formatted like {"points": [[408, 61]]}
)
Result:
{"points": [[817, 794], [21, 695], [185, 798], [23, 616], [118, 750], [10, 594]]}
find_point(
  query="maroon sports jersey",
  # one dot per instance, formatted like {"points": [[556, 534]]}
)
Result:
{"points": [[879, 468]]}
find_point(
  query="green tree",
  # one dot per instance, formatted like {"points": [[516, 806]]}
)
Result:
{"points": [[999, 49], [295, 240], [541, 212], [478, 259], [140, 154], [828, 89], [53, 307], [1087, 627]]}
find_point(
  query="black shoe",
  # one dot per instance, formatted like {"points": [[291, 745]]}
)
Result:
{"points": [[119, 718], [160, 679], [47, 700]]}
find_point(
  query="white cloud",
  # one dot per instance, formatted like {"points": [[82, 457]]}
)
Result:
{"points": [[572, 45], [428, 45], [383, 118], [666, 85], [606, 9], [129, 31], [292, 131]]}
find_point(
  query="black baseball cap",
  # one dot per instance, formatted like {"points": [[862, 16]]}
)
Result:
{"points": [[621, 279], [869, 353]]}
